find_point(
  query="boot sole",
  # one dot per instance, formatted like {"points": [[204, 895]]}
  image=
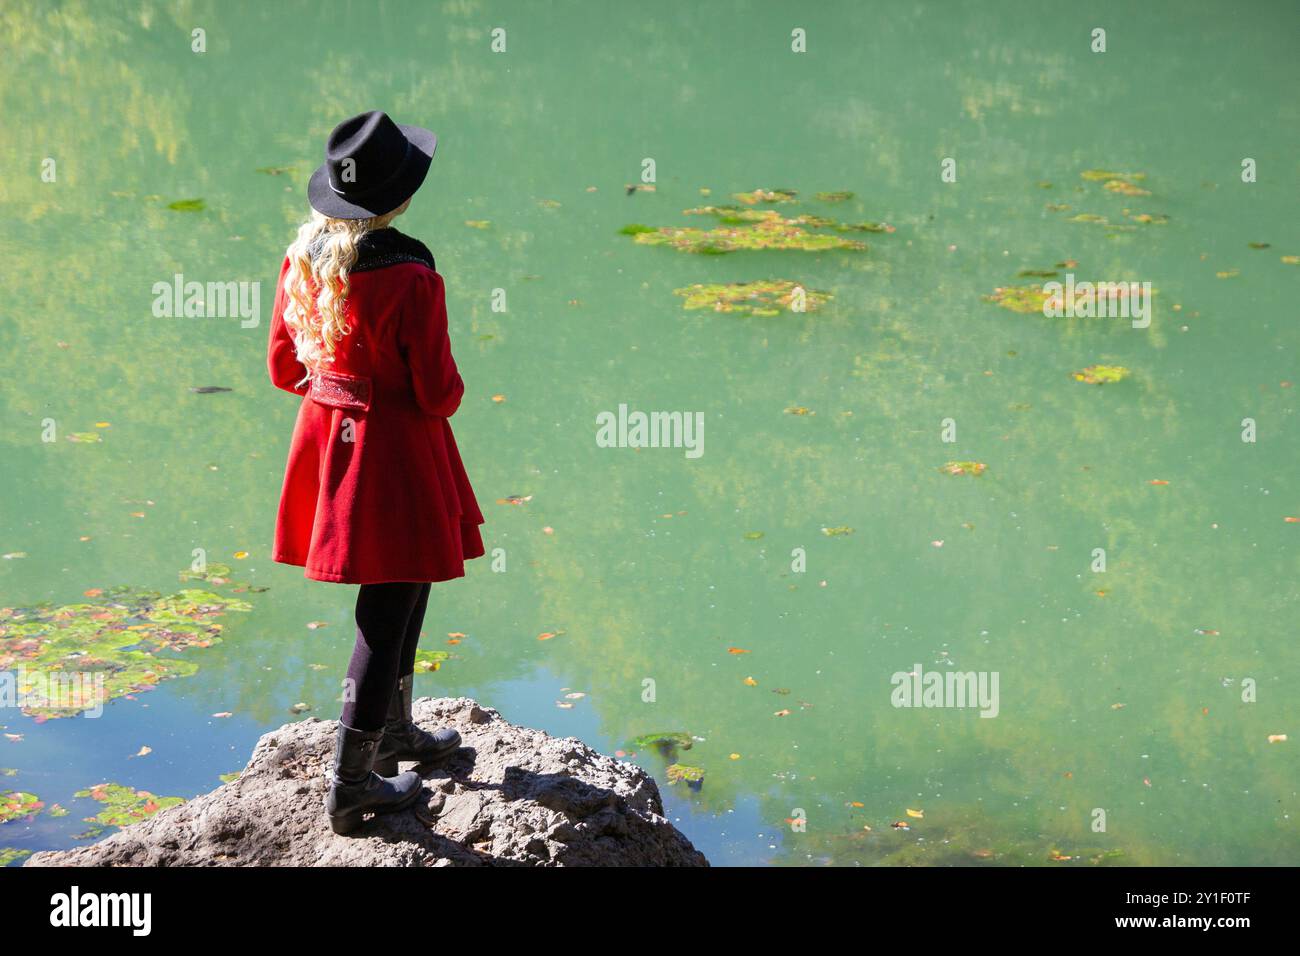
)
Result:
{"points": [[345, 823]]}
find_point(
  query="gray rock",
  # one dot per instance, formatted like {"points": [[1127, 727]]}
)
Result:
{"points": [[510, 797]]}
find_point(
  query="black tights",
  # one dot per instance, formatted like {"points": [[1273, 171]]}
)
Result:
{"points": [[389, 617]]}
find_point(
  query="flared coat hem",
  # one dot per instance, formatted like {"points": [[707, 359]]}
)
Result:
{"points": [[341, 577]]}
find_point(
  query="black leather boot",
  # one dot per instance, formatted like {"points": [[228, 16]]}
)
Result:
{"points": [[403, 740], [355, 788]]}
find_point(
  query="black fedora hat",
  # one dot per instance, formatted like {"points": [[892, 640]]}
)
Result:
{"points": [[372, 165]]}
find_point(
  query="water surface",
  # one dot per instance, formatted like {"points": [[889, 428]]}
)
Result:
{"points": [[647, 564]]}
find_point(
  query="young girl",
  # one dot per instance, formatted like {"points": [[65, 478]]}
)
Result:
{"points": [[374, 491]]}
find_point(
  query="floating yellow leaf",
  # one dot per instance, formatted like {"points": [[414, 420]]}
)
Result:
{"points": [[964, 468], [916, 814], [750, 682]]}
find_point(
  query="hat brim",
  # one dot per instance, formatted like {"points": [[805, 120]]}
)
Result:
{"points": [[327, 202]]}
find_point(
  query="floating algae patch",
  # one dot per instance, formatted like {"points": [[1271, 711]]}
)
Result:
{"points": [[768, 232], [744, 227], [730, 214], [75, 657], [665, 743], [429, 661], [9, 855], [1119, 184], [1079, 299], [1102, 374], [680, 772], [841, 196], [1020, 298], [974, 468], [219, 574], [1125, 188], [765, 195], [738, 215], [122, 807], [16, 805], [1103, 175], [860, 226], [762, 298]]}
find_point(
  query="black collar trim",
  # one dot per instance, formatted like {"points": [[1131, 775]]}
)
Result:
{"points": [[388, 247]]}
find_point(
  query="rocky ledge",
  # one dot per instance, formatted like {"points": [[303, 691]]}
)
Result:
{"points": [[510, 796]]}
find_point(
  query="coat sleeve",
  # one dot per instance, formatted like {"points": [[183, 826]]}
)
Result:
{"points": [[426, 347], [281, 356]]}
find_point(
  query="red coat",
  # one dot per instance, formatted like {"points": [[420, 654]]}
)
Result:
{"points": [[394, 502]]}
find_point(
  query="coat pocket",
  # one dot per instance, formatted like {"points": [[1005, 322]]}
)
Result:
{"points": [[340, 390]]}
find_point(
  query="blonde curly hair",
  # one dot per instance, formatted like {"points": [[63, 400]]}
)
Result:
{"points": [[316, 285]]}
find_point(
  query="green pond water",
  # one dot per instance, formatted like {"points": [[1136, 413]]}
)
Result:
{"points": [[1120, 691]]}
